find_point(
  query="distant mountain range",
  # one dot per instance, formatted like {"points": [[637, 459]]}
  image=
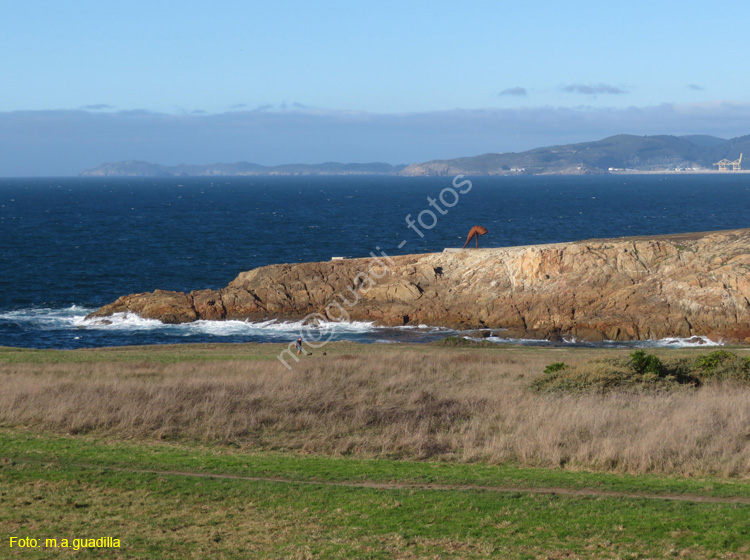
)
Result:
{"points": [[614, 154], [145, 169]]}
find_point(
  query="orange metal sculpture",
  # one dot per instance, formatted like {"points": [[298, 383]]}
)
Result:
{"points": [[476, 231]]}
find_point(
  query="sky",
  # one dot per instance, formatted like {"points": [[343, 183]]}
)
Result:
{"points": [[404, 81]]}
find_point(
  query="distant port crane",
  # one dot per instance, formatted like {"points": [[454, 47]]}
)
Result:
{"points": [[725, 163]]}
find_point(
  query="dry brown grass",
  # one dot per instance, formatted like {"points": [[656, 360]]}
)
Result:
{"points": [[457, 404]]}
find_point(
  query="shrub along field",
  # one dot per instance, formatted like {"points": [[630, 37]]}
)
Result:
{"points": [[378, 451], [645, 372]]}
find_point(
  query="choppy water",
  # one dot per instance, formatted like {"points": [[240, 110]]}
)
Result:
{"points": [[71, 245]]}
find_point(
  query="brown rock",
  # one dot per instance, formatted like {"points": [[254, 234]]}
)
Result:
{"points": [[168, 307], [616, 289], [208, 305]]}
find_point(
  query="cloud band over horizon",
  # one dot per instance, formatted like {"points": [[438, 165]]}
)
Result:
{"points": [[595, 89], [65, 142]]}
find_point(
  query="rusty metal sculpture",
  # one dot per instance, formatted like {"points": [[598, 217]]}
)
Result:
{"points": [[475, 232]]}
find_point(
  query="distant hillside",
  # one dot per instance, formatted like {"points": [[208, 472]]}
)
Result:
{"points": [[704, 140], [624, 151], [145, 169], [621, 152]]}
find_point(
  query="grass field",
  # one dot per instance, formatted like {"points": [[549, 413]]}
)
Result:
{"points": [[367, 452]]}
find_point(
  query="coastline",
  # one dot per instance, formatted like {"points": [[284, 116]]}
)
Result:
{"points": [[640, 288]]}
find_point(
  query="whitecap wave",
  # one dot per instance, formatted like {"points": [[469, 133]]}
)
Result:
{"points": [[674, 342], [272, 327], [670, 342], [120, 322], [73, 318], [420, 327], [521, 341], [47, 318]]}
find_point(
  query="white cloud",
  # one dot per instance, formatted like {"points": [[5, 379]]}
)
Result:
{"points": [[515, 91], [97, 107], [595, 89]]}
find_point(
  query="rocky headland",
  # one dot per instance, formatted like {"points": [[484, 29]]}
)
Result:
{"points": [[605, 289]]}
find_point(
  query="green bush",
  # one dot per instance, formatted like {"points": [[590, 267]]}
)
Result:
{"points": [[722, 365], [643, 371], [640, 372], [557, 366], [644, 363]]}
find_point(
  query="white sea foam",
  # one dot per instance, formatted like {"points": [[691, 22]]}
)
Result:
{"points": [[693, 341], [672, 342], [497, 339], [47, 318], [420, 327], [74, 317], [130, 321], [120, 322]]}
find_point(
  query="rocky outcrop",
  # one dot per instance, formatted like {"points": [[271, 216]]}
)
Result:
{"points": [[616, 289]]}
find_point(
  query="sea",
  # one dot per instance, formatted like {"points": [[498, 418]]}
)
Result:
{"points": [[71, 245]]}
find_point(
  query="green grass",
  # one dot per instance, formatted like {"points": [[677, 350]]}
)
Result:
{"points": [[168, 353], [175, 353], [65, 487], [29, 447], [180, 500]]}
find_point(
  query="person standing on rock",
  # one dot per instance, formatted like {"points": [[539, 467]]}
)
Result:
{"points": [[476, 231]]}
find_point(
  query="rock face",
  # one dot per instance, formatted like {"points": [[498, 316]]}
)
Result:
{"points": [[619, 289]]}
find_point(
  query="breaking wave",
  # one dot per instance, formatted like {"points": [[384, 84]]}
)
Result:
{"points": [[671, 342], [68, 328]]}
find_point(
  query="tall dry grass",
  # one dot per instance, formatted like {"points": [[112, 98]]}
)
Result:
{"points": [[451, 404]]}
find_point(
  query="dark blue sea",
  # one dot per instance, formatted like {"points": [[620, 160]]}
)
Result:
{"points": [[71, 245]]}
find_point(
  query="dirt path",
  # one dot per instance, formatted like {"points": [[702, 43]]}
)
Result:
{"points": [[587, 492]]}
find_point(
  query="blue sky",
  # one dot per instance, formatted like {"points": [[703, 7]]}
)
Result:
{"points": [[283, 81]]}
